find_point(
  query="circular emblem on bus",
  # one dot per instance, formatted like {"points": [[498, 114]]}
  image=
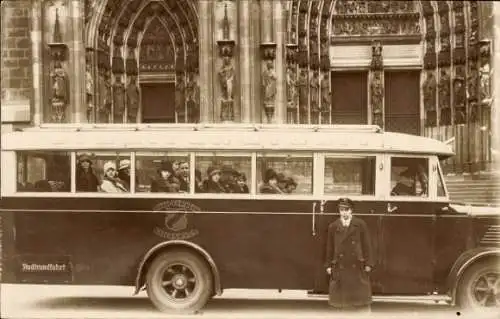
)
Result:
{"points": [[176, 219]]}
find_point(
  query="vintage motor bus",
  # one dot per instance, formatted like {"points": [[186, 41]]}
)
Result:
{"points": [[196, 210]]}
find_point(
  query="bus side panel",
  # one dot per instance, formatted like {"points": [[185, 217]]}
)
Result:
{"points": [[252, 247], [6, 246]]}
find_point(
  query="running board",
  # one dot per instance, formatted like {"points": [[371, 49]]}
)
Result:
{"points": [[435, 298]]}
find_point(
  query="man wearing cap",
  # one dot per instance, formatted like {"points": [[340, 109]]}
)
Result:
{"points": [[349, 260], [124, 173]]}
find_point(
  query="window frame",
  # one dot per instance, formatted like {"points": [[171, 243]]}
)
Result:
{"points": [[378, 164], [387, 179]]}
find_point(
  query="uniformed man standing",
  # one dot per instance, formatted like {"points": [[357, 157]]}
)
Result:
{"points": [[349, 260]]}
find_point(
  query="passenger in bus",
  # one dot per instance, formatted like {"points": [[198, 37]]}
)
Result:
{"points": [[198, 183], [86, 179], [406, 184], [43, 186], [241, 184], [111, 183], [282, 180], [228, 179], [183, 176], [124, 173], [165, 182], [291, 185], [213, 184], [270, 185]]}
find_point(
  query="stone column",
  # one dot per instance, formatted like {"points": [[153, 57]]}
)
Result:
{"points": [[206, 61], [280, 36], [77, 61], [268, 82], [377, 86], [266, 16], [244, 17], [36, 42]]}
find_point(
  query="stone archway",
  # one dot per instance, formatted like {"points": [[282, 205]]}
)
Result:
{"points": [[142, 44]]}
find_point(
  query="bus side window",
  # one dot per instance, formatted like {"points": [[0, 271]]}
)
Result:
{"points": [[43, 171], [282, 173], [107, 172], [223, 172], [409, 176], [162, 172], [350, 176]]}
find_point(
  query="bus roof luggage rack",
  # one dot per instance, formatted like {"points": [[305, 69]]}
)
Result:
{"points": [[211, 127]]}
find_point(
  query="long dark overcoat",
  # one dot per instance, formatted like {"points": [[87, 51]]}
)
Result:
{"points": [[348, 251]]}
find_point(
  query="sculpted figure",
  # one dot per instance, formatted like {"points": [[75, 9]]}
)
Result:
{"points": [[291, 85], [132, 100], [429, 89], [226, 78], [269, 83], [60, 92]]}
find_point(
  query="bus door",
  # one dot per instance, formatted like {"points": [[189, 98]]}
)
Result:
{"points": [[354, 177], [408, 227]]}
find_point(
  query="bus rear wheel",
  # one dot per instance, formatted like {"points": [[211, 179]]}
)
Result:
{"points": [[179, 282], [480, 286]]}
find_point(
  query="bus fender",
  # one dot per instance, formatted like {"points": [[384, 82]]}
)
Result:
{"points": [[139, 281], [463, 262]]}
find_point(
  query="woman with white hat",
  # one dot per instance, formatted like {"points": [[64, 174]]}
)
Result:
{"points": [[110, 182]]}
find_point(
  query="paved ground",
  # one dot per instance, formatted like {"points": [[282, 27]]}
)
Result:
{"points": [[38, 301]]}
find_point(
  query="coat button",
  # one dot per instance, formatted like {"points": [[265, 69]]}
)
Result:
{"points": [[353, 242], [353, 266]]}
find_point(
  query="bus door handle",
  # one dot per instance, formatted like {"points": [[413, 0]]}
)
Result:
{"points": [[314, 219]]}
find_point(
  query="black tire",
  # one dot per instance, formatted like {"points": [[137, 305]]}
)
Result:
{"points": [[179, 282], [474, 291]]}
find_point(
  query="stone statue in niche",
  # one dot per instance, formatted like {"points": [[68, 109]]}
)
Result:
{"points": [[472, 82], [302, 88], [325, 92], [89, 90], [377, 62], [291, 86], [226, 78], [314, 85], [459, 93], [132, 100], [484, 82], [104, 107], [429, 91], [193, 98], [429, 20], [377, 92], [444, 89], [180, 93], [269, 83], [118, 100], [445, 23], [60, 93]]}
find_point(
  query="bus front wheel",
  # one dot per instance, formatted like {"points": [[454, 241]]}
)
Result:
{"points": [[179, 281], [480, 286]]}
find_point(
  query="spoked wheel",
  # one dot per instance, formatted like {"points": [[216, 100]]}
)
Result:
{"points": [[480, 287], [179, 281]]}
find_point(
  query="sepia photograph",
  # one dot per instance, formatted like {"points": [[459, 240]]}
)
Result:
{"points": [[249, 159]]}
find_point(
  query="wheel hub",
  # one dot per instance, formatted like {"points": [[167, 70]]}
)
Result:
{"points": [[179, 281]]}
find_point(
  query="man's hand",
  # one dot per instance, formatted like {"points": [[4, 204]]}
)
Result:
{"points": [[329, 270], [368, 268]]}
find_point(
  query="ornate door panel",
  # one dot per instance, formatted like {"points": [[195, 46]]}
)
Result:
{"points": [[349, 97], [158, 102], [402, 101]]}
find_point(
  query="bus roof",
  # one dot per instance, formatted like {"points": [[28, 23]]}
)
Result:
{"points": [[346, 138]]}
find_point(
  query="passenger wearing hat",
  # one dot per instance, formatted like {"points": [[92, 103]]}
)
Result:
{"points": [[270, 185], [406, 184], [124, 173], [110, 182], [213, 184], [86, 179], [291, 185], [349, 260], [241, 184], [165, 182]]}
